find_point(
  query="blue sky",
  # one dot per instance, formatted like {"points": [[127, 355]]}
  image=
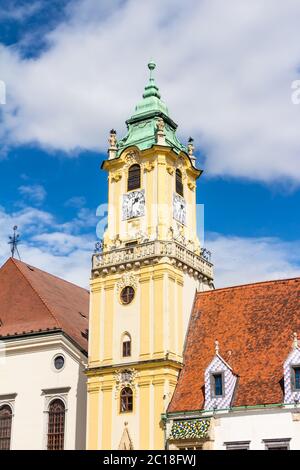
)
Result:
{"points": [[75, 69]]}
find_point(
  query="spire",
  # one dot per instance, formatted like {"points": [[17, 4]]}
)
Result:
{"points": [[150, 123], [151, 103], [151, 89]]}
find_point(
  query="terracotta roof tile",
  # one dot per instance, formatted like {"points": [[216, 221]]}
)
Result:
{"points": [[32, 300], [254, 325]]}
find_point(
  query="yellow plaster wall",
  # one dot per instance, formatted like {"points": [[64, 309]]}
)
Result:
{"points": [[155, 320]]}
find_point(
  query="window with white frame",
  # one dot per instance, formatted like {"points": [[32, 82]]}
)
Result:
{"points": [[5, 427], [6, 420], [55, 425]]}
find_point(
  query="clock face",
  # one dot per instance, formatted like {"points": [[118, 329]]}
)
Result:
{"points": [[179, 209], [134, 204]]}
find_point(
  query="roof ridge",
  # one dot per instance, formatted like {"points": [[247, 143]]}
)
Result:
{"points": [[250, 284], [37, 293]]}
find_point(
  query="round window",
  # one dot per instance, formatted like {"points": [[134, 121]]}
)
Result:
{"points": [[59, 362], [127, 295]]}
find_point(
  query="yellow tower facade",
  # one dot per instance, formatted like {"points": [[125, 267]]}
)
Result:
{"points": [[144, 280]]}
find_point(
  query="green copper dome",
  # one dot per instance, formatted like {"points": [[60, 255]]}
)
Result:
{"points": [[142, 126]]}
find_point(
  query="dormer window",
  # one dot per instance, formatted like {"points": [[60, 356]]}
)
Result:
{"points": [[291, 374], [217, 385], [295, 378], [220, 382]]}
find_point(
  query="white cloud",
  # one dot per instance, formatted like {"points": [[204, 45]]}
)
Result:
{"points": [[244, 260], [47, 244], [35, 193], [224, 68], [76, 201]]}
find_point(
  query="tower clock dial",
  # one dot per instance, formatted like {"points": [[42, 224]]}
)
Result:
{"points": [[134, 204], [179, 208]]}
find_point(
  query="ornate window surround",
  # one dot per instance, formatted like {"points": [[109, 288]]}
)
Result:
{"points": [[9, 400], [51, 395]]}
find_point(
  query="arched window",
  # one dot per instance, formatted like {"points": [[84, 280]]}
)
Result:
{"points": [[126, 400], [56, 425], [126, 345], [179, 184], [5, 427], [134, 177]]}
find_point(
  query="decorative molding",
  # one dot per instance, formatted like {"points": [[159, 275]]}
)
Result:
{"points": [[116, 176], [126, 442], [55, 391], [190, 429], [125, 378], [8, 397], [170, 170], [148, 166], [131, 157], [149, 253], [191, 186], [128, 279]]}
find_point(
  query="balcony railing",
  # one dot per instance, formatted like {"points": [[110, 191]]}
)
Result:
{"points": [[150, 250]]}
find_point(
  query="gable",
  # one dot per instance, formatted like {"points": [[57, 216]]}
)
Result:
{"points": [[218, 366]]}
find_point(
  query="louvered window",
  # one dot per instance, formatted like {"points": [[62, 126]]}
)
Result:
{"points": [[179, 184], [5, 427], [56, 425], [134, 177]]}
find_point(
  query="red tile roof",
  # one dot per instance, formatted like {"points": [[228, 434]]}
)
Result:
{"points": [[254, 325], [32, 301]]}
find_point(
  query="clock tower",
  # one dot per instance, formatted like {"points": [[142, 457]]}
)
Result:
{"points": [[144, 280]]}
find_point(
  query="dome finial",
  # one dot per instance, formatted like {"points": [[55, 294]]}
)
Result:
{"points": [[151, 67], [151, 89]]}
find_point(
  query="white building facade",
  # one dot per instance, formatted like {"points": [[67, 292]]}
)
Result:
{"points": [[43, 357], [37, 372]]}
